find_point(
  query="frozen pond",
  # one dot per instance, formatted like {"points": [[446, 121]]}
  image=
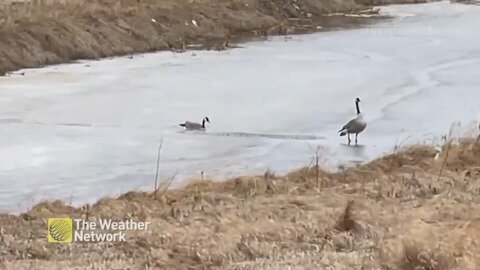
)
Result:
{"points": [[86, 130]]}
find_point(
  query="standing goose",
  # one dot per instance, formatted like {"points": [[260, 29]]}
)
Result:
{"points": [[195, 126], [478, 138], [354, 126]]}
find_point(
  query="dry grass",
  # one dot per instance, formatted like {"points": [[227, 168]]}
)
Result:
{"points": [[389, 2], [43, 32], [393, 213], [467, 2]]}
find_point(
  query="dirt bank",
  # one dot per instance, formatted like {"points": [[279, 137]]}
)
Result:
{"points": [[467, 2], [40, 33], [409, 210], [390, 2]]}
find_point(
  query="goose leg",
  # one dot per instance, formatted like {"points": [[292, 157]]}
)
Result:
{"points": [[356, 139], [348, 134]]}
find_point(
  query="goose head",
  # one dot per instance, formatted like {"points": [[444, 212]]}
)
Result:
{"points": [[357, 102], [205, 120]]}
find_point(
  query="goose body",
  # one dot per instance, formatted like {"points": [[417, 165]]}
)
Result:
{"points": [[354, 126], [478, 138], [195, 126]]}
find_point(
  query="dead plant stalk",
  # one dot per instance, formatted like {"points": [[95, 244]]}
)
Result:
{"points": [[317, 167], [158, 164]]}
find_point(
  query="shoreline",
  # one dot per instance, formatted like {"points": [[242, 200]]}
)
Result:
{"points": [[399, 198], [62, 33], [164, 185]]}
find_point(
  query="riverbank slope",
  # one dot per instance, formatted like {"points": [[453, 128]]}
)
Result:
{"points": [[38, 33], [415, 209]]}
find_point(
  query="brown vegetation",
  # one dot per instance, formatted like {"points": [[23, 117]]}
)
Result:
{"points": [[389, 2], [467, 2], [397, 212], [42, 32]]}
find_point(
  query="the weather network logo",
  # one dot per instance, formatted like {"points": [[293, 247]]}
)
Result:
{"points": [[68, 230], [60, 230]]}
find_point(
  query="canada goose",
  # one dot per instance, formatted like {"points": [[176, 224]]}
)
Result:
{"points": [[354, 126], [478, 138], [195, 126]]}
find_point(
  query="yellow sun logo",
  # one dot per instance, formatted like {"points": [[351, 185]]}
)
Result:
{"points": [[60, 230]]}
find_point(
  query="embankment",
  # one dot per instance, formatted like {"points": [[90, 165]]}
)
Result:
{"points": [[38, 33], [415, 209]]}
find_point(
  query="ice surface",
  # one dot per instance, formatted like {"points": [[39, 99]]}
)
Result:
{"points": [[86, 130]]}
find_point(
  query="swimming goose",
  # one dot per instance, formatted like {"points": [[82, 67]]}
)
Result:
{"points": [[195, 126], [354, 126]]}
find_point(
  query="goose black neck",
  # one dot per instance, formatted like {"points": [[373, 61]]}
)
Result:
{"points": [[358, 107], [203, 123]]}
